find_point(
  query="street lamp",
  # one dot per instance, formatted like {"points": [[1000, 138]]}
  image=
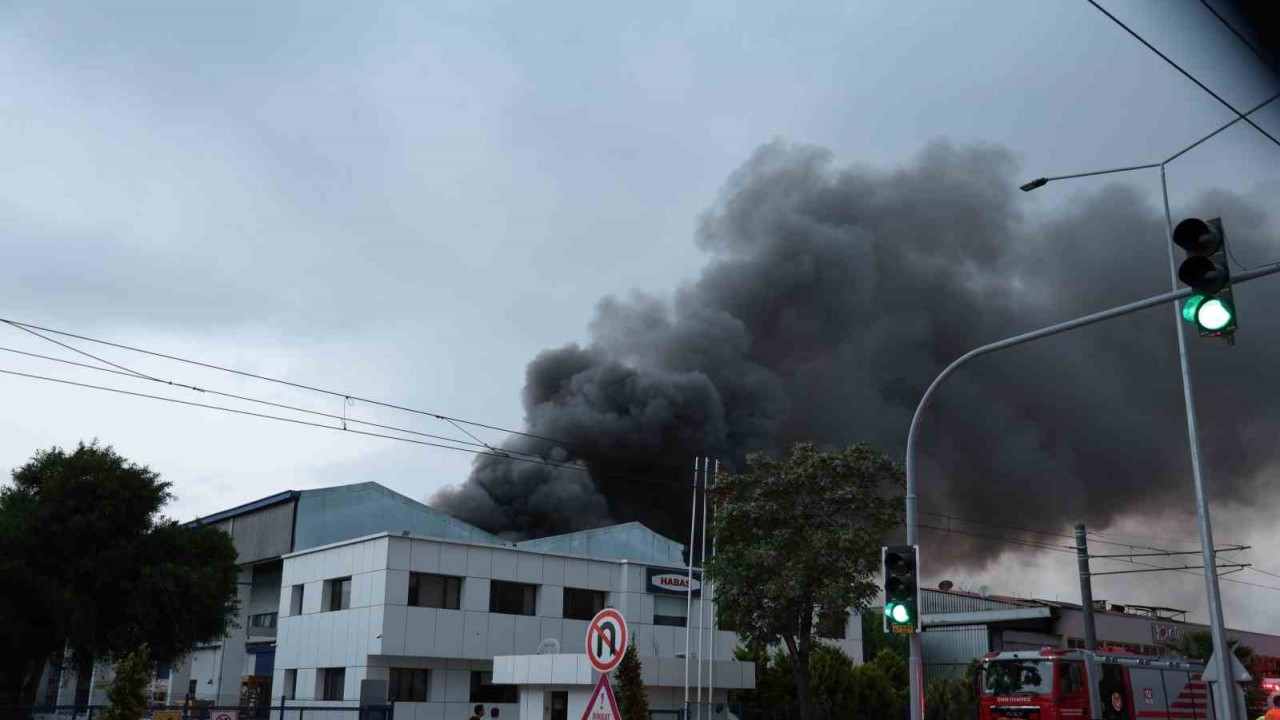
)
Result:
{"points": [[1211, 314]]}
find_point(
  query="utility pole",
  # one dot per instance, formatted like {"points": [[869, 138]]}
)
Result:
{"points": [[916, 675], [1086, 589]]}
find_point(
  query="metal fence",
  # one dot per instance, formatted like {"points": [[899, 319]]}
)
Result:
{"points": [[208, 711]]}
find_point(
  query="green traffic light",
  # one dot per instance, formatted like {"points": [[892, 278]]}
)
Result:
{"points": [[1191, 306], [1213, 314], [899, 613]]}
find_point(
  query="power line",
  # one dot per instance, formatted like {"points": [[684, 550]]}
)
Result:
{"points": [[1186, 74], [294, 421], [259, 401], [1069, 536], [1265, 60], [1065, 549], [301, 386]]}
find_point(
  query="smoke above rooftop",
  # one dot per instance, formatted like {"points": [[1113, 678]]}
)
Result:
{"points": [[831, 296]]}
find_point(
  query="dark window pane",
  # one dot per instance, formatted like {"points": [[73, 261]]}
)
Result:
{"points": [[408, 685], [512, 598], [435, 591], [831, 626], [582, 604], [334, 680]]}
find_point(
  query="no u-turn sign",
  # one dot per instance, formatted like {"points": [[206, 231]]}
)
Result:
{"points": [[606, 640]]}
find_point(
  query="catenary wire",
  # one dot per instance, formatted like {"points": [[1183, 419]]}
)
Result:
{"points": [[294, 421], [1225, 23], [1179, 68], [325, 391], [260, 401], [1064, 549]]}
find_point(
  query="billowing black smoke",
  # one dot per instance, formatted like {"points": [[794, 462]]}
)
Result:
{"points": [[831, 298]]}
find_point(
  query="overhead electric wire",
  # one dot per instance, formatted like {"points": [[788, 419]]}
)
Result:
{"points": [[1179, 68], [260, 401], [1065, 549], [1232, 546], [325, 391], [1225, 23], [294, 421]]}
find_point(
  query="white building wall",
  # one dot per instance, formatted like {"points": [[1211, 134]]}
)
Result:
{"points": [[379, 631]]}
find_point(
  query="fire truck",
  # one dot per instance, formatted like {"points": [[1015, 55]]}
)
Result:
{"points": [[1060, 684]]}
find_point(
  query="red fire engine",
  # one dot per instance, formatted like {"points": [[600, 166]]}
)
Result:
{"points": [[1058, 684]]}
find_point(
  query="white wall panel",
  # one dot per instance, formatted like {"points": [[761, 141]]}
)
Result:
{"points": [[503, 565]]}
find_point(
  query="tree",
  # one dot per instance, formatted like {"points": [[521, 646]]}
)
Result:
{"points": [[88, 565], [799, 539], [841, 690], [633, 702], [127, 695]]}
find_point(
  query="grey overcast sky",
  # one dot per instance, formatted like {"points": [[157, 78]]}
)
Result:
{"points": [[407, 201]]}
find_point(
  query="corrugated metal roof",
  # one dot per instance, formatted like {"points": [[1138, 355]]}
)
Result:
{"points": [[249, 507], [628, 541], [936, 602]]}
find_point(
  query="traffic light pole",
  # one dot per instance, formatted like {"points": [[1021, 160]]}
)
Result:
{"points": [[916, 666], [1217, 626]]}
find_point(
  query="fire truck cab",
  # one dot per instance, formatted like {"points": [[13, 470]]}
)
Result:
{"points": [[1060, 684]]}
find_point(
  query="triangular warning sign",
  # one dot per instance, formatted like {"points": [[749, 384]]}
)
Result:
{"points": [[602, 705]]}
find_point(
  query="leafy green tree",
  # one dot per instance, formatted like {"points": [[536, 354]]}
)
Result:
{"points": [[127, 694], [88, 564], [841, 690], [633, 702], [798, 539]]}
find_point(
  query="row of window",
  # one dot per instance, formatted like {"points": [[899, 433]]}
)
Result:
{"points": [[445, 592], [405, 685], [512, 598]]}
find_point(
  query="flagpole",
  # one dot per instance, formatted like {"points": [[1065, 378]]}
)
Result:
{"points": [[688, 611]]}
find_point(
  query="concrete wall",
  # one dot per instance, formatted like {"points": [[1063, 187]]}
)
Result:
{"points": [[380, 631]]}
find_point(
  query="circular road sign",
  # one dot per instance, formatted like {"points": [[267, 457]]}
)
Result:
{"points": [[606, 640]]}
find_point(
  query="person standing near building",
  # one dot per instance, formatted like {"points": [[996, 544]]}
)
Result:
{"points": [[477, 713]]}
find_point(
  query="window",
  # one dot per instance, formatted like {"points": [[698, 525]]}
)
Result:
{"points": [[1013, 677], [409, 685], [332, 681], [263, 620], [295, 601], [831, 626], [512, 598], [290, 684], [484, 691], [435, 591], [582, 604], [670, 610], [1070, 678], [337, 595]]}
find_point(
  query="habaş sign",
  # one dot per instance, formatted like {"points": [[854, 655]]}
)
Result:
{"points": [[673, 583]]}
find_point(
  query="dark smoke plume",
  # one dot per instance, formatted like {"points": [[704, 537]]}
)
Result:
{"points": [[831, 298]]}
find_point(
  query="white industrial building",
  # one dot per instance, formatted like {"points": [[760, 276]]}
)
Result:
{"points": [[356, 583]]}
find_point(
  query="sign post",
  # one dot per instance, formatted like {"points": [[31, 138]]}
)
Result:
{"points": [[607, 640]]}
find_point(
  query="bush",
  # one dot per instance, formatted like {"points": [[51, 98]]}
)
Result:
{"points": [[127, 695]]}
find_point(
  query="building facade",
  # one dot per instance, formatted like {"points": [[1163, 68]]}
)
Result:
{"points": [[355, 592], [960, 626]]}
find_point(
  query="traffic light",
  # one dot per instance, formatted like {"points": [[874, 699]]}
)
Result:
{"points": [[901, 589], [1206, 271]]}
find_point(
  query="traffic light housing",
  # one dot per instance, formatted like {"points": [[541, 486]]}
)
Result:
{"points": [[1212, 307], [901, 588]]}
